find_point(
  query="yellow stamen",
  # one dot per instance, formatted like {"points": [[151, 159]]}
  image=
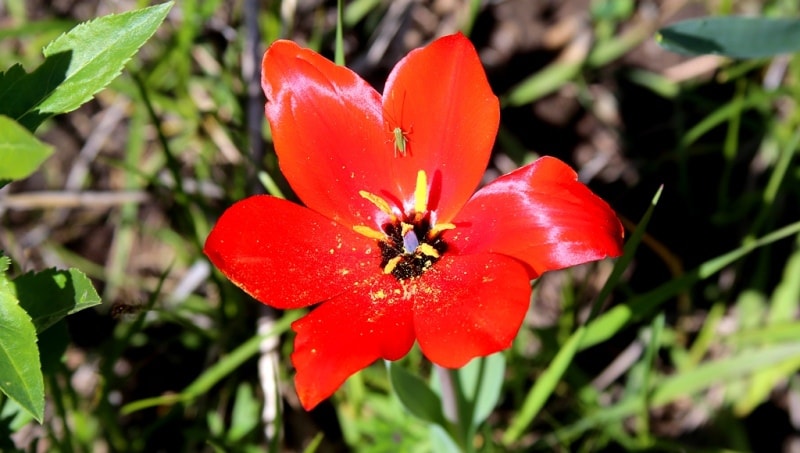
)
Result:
{"points": [[438, 228], [379, 202], [421, 193], [369, 232], [392, 264], [428, 250], [405, 228]]}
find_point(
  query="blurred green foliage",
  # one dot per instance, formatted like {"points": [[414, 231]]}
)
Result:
{"points": [[700, 333]]}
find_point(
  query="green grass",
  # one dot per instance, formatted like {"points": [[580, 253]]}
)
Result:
{"points": [[706, 304]]}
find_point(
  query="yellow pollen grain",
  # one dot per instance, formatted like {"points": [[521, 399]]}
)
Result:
{"points": [[380, 294], [379, 202], [368, 232], [409, 290], [428, 250], [391, 265], [421, 193]]}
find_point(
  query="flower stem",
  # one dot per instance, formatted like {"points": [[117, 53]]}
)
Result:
{"points": [[456, 407]]}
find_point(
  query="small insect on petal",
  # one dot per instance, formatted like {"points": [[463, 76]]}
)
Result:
{"points": [[400, 141]]}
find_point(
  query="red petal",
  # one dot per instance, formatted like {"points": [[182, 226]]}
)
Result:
{"points": [[469, 306], [541, 215], [440, 97], [346, 334], [288, 256], [328, 131]]}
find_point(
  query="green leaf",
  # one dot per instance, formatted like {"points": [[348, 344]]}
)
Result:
{"points": [[441, 442], [99, 50], [735, 37], [50, 295], [482, 381], [415, 395], [20, 152], [20, 372], [21, 92], [245, 415]]}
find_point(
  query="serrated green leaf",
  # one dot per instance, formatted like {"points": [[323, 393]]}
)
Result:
{"points": [[20, 152], [50, 295], [21, 92], [20, 371], [99, 50], [415, 395], [7, 81], [735, 37]]}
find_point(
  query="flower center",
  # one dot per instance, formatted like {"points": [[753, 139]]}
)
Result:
{"points": [[409, 244]]}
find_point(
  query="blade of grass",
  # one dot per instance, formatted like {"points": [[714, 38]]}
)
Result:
{"points": [[270, 185], [774, 333], [686, 384], [776, 179], [648, 362], [720, 371], [339, 56], [706, 336], [610, 322], [735, 107]]}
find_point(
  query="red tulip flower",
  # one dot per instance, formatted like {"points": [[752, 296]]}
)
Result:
{"points": [[393, 243]]}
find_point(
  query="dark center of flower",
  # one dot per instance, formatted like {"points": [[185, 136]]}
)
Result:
{"points": [[412, 244], [410, 248]]}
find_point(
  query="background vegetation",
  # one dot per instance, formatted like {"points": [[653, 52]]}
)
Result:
{"points": [[698, 346]]}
